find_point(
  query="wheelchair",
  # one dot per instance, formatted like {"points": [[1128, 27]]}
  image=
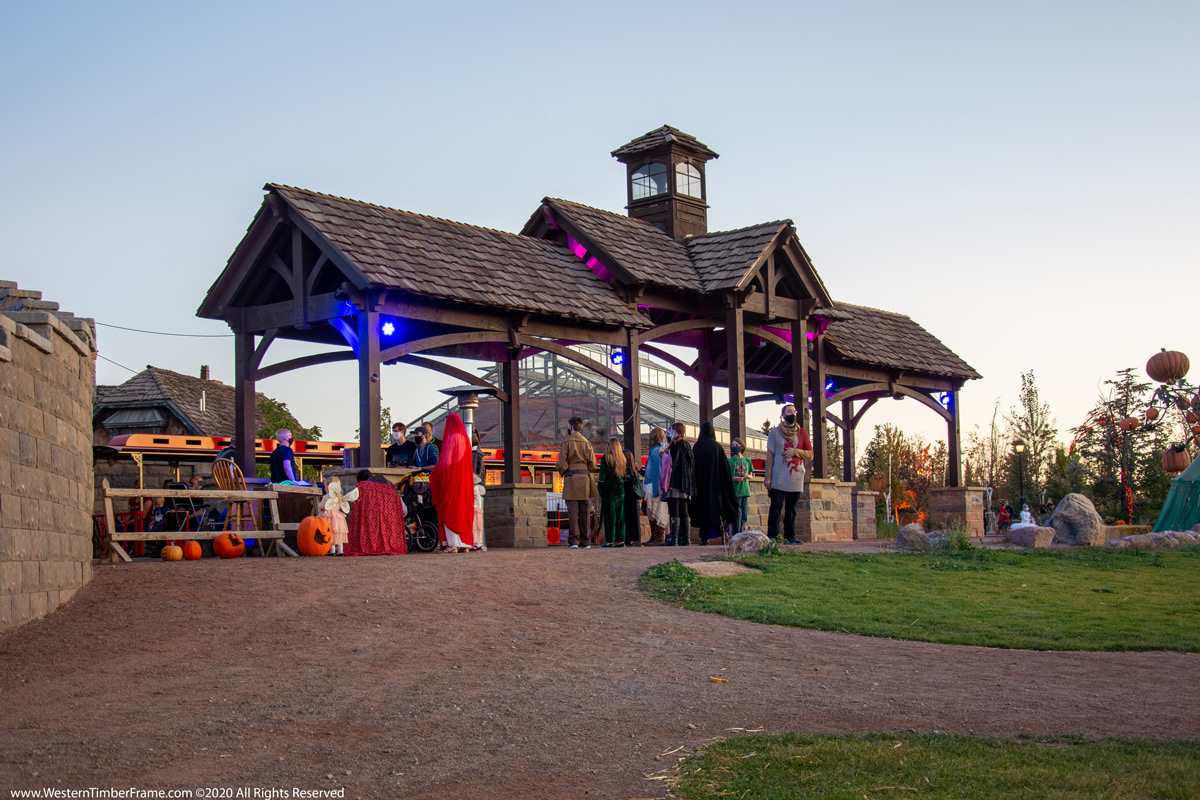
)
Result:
{"points": [[421, 522]]}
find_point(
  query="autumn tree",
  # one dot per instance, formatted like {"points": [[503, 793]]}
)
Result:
{"points": [[1032, 424]]}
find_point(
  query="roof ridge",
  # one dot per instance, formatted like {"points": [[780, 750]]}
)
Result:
{"points": [[876, 310], [389, 209], [778, 222], [623, 217]]}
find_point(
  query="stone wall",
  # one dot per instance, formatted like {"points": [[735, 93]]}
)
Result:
{"points": [[47, 377], [957, 507], [863, 505], [514, 515]]}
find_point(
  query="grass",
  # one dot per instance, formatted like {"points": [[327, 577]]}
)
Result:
{"points": [[938, 766], [1076, 599]]}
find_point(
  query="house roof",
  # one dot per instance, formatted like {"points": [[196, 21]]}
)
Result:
{"points": [[448, 260], [662, 136], [723, 258], [887, 339], [158, 387]]}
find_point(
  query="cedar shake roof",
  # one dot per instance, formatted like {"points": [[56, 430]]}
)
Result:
{"points": [[723, 258], [657, 138], [893, 340], [648, 254], [155, 386], [452, 261]]}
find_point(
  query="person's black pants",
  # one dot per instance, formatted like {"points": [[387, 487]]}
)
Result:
{"points": [[681, 525], [786, 502]]}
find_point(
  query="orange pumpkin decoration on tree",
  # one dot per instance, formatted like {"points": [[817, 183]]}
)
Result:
{"points": [[192, 551], [1192, 417], [1167, 366], [1129, 423], [1175, 458], [315, 537], [172, 552], [1151, 414], [229, 545]]}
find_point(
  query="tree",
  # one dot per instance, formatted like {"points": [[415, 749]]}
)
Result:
{"points": [[1033, 425], [276, 415], [986, 452], [833, 452], [385, 427]]}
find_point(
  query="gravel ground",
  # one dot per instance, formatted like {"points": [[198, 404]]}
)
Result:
{"points": [[506, 674]]}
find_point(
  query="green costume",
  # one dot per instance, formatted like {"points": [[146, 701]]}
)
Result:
{"points": [[612, 503]]}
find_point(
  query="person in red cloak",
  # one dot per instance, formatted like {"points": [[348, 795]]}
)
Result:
{"points": [[453, 485]]}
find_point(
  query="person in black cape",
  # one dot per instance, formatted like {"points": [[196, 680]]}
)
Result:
{"points": [[682, 488], [713, 505]]}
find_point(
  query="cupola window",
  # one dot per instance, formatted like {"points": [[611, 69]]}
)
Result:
{"points": [[687, 181], [649, 181]]}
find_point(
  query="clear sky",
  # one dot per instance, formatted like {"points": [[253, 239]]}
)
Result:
{"points": [[1021, 178]]}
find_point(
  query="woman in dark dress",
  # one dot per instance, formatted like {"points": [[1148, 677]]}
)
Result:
{"points": [[713, 505], [633, 522]]}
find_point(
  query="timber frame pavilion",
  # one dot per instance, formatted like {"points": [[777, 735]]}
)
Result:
{"points": [[381, 286]]}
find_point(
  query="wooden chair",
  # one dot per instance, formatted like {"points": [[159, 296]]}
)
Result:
{"points": [[229, 477]]}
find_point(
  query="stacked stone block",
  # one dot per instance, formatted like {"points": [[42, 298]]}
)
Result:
{"points": [[863, 504], [514, 515], [47, 378], [957, 507]]}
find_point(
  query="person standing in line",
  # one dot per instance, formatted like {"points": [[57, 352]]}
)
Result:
{"points": [[400, 450], [788, 447], [612, 493], [713, 505], [425, 452], [576, 463], [742, 468], [283, 461], [480, 489], [633, 520], [653, 476], [452, 486], [681, 488]]}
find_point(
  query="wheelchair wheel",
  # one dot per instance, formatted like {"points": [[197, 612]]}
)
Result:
{"points": [[426, 539]]}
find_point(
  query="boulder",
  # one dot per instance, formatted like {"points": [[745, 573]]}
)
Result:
{"points": [[748, 541], [912, 537], [1188, 538], [1031, 537], [1076, 522], [1141, 541]]}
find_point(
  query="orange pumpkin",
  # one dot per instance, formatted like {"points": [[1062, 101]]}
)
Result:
{"points": [[192, 551], [1151, 414], [229, 545], [1176, 459], [315, 537], [1129, 423], [1191, 417], [172, 552], [1167, 366]]}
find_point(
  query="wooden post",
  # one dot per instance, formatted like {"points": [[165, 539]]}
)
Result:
{"points": [[735, 348], [370, 409], [953, 444], [631, 410], [512, 417], [819, 433], [800, 369], [848, 441], [244, 408], [704, 364]]}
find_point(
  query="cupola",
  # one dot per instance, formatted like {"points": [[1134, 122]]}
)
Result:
{"points": [[666, 184]]}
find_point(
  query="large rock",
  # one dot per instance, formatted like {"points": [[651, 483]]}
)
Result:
{"points": [[1076, 522], [1031, 537], [912, 537]]}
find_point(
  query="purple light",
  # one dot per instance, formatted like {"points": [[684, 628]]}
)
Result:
{"points": [[812, 337], [579, 250]]}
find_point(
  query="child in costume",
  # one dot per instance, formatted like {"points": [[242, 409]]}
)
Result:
{"points": [[334, 507]]}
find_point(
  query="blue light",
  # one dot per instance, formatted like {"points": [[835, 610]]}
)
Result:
{"points": [[388, 329], [829, 387], [946, 399], [617, 358]]}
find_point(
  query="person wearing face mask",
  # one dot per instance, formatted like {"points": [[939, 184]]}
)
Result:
{"points": [[788, 447], [741, 468], [425, 452], [400, 450]]}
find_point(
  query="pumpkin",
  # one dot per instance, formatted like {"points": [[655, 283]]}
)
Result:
{"points": [[1196, 429], [1151, 414], [1129, 423], [315, 537], [1167, 366], [192, 551], [1175, 458], [229, 545], [172, 552], [1192, 417], [1196, 401]]}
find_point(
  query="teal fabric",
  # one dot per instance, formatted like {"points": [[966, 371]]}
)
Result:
{"points": [[1181, 511]]}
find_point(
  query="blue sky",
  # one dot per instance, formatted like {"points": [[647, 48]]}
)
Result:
{"points": [[1020, 178]]}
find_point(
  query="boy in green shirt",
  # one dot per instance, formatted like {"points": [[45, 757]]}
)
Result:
{"points": [[742, 468]]}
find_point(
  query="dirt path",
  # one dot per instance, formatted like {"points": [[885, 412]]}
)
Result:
{"points": [[508, 674]]}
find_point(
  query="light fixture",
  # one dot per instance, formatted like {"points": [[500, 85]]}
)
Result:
{"points": [[946, 399], [388, 329], [1019, 446], [617, 358]]}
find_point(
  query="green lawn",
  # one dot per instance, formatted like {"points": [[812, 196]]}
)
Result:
{"points": [[1061, 599], [933, 766]]}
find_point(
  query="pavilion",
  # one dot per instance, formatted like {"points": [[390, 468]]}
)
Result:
{"points": [[382, 286]]}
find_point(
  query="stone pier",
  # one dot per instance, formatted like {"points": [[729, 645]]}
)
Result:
{"points": [[957, 507], [514, 515]]}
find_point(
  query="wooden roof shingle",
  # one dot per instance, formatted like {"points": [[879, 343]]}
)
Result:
{"points": [[448, 260], [723, 258], [155, 386], [661, 136], [887, 339]]}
